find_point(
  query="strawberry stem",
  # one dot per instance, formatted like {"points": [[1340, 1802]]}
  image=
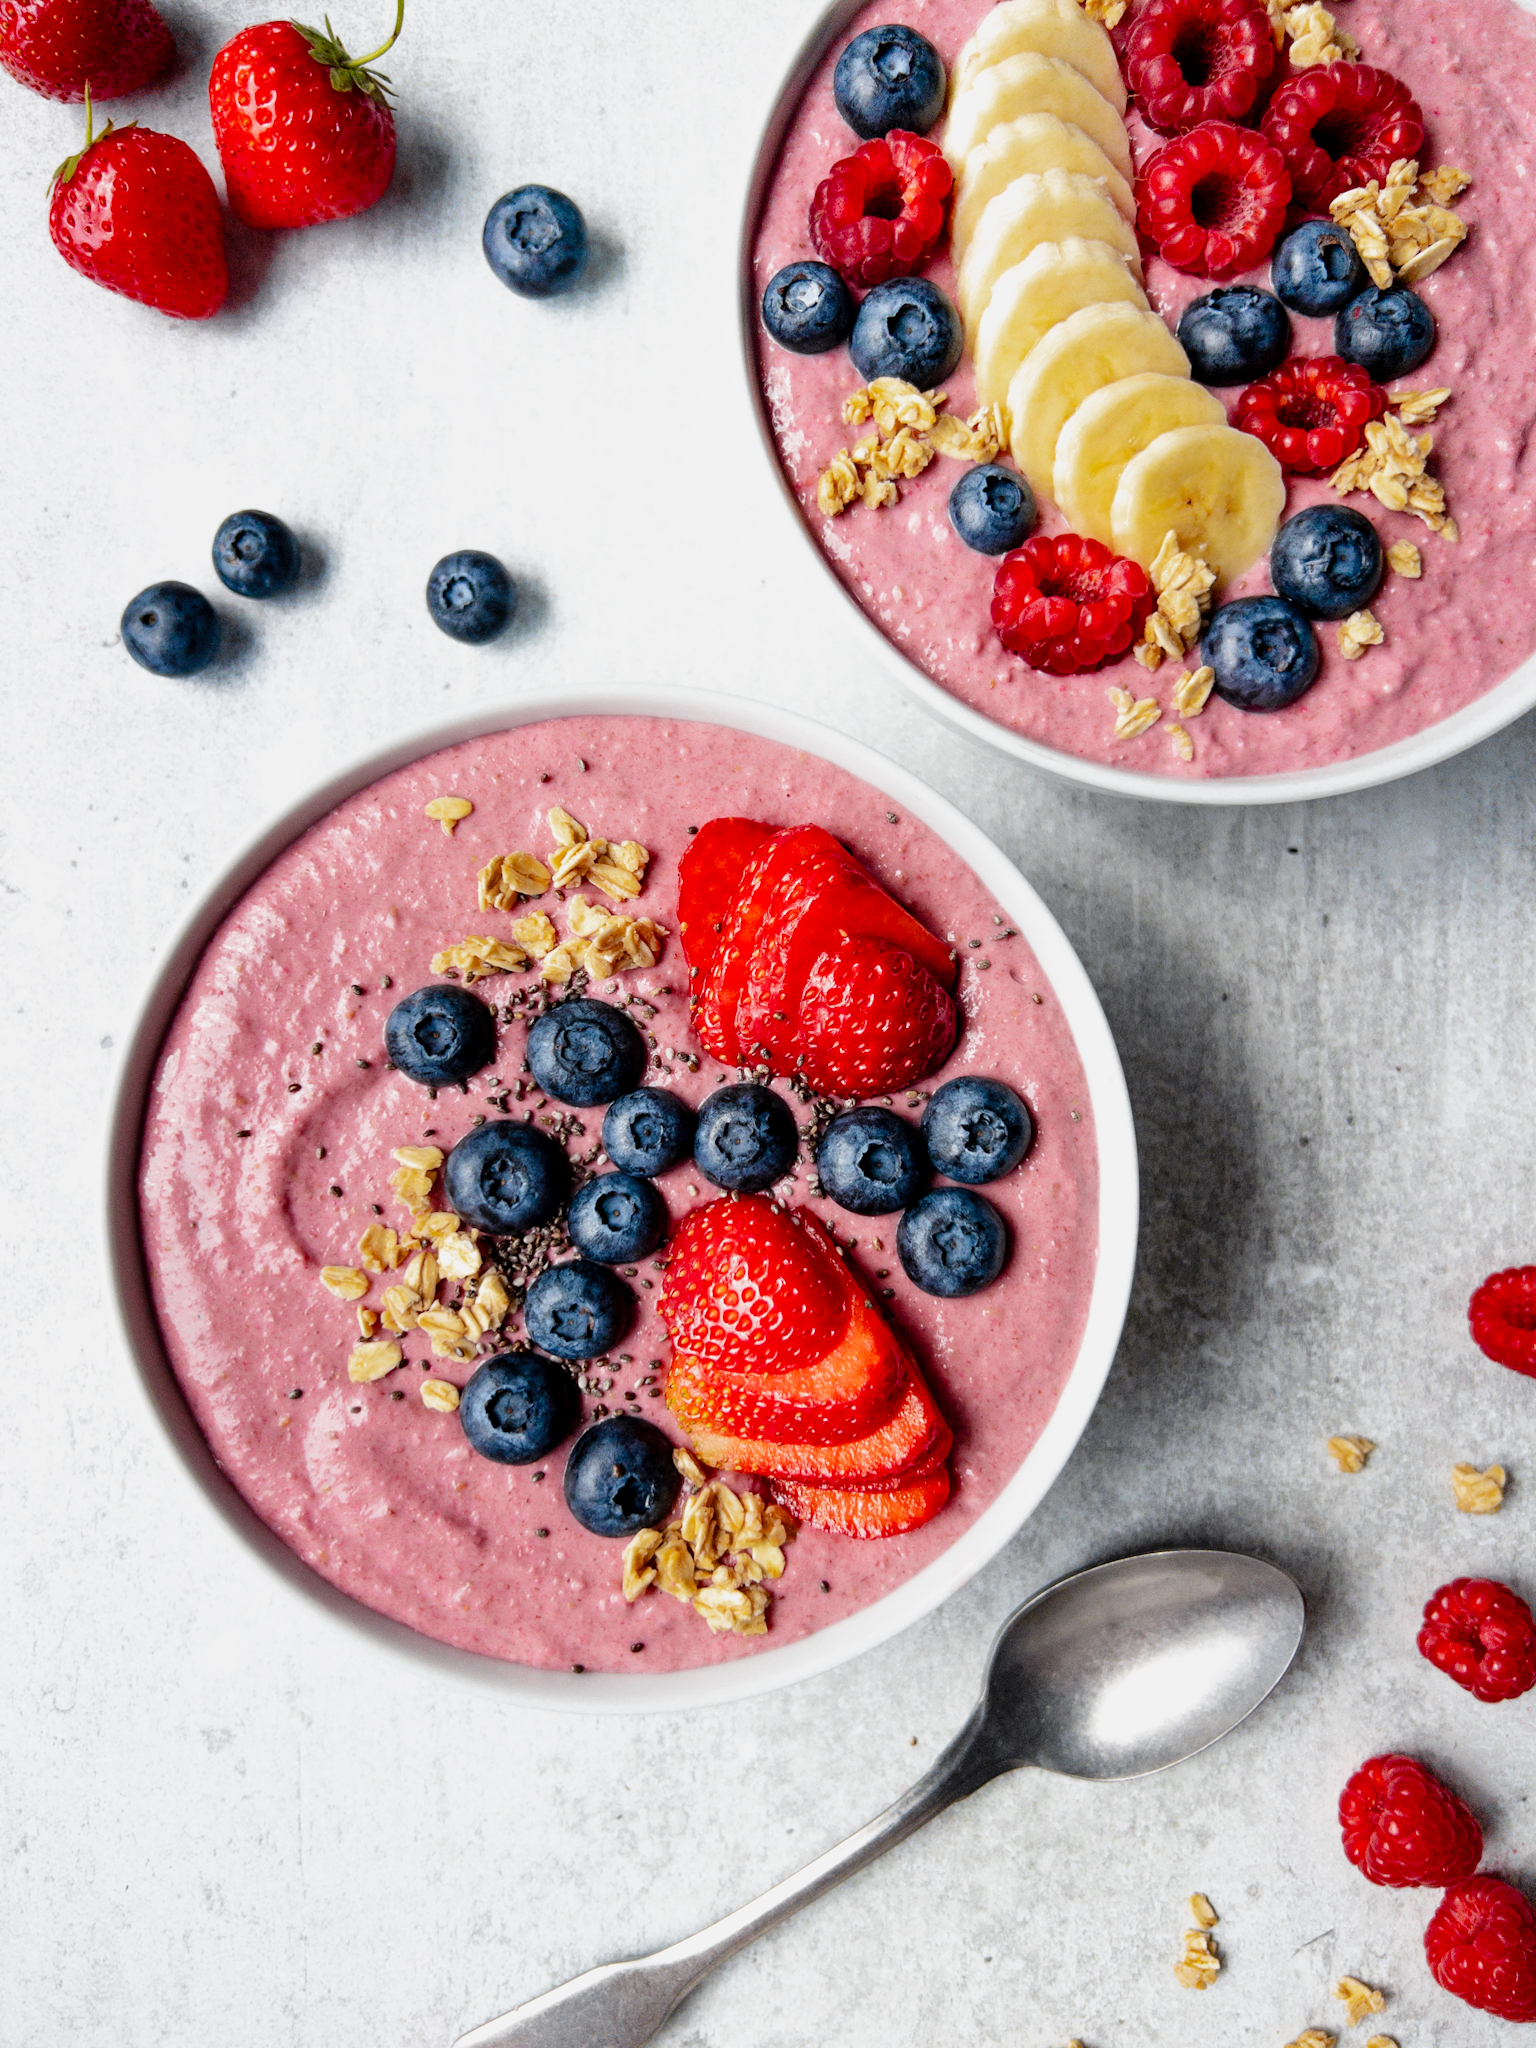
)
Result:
{"points": [[385, 48], [71, 164], [349, 73]]}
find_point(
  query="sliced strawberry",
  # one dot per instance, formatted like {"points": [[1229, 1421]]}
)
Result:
{"points": [[753, 1288], [914, 1433], [708, 876], [872, 1020], [869, 1512], [717, 989], [852, 1391]]}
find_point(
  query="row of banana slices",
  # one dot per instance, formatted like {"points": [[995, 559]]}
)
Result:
{"points": [[1096, 393]]}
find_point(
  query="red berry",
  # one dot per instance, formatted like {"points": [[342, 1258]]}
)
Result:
{"points": [[890, 1509], [298, 146], [1214, 200], [1311, 415], [1503, 1317], [1068, 605], [1482, 1635], [1338, 126], [752, 1287], [871, 1020], [708, 874], [1188, 61], [59, 47], [136, 212], [880, 212], [1402, 1827], [1481, 1947]]}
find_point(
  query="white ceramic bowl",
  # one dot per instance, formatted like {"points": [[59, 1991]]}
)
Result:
{"points": [[620, 1692], [1503, 704]]}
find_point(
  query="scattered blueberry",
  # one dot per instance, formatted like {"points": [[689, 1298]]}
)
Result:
{"points": [[1328, 561], [171, 629], [256, 555], [1264, 652], [908, 329], [992, 509], [471, 596], [648, 1131], [889, 78], [976, 1130], [1387, 333], [871, 1161], [506, 1177], [951, 1242], [616, 1217], [1234, 335], [585, 1052], [577, 1311], [747, 1138], [620, 1477], [1318, 269], [807, 308], [440, 1035], [536, 241], [518, 1407]]}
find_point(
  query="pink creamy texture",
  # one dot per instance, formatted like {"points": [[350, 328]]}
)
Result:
{"points": [[1450, 638], [384, 1497]]}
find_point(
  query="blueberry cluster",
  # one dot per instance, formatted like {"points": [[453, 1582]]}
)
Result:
{"points": [[172, 630], [1238, 333]]}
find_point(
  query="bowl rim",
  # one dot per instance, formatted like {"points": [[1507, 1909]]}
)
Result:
{"points": [[1498, 707], [614, 1692]]}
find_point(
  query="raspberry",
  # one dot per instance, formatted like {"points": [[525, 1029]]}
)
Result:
{"points": [[1402, 1827], [1482, 1635], [1189, 61], [1340, 125], [1068, 605], [880, 212], [1311, 415], [1481, 1947], [1214, 200], [1503, 1318]]}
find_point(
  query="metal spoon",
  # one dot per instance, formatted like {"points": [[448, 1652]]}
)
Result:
{"points": [[1113, 1673]]}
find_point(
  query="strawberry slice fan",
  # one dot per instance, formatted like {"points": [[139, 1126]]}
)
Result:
{"points": [[784, 1368]]}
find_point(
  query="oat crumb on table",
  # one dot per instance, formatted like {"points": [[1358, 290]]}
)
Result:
{"points": [[1479, 1493], [1381, 2041], [1200, 1965], [1349, 1453], [1314, 2037], [1359, 2000], [1201, 1911]]}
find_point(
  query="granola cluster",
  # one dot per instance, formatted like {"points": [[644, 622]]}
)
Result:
{"points": [[715, 1555], [1184, 583], [908, 429], [1479, 1493], [1393, 463], [1349, 1453], [1314, 36], [1404, 229], [1359, 2000]]}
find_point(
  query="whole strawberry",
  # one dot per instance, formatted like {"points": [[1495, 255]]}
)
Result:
{"points": [[1482, 1635], [135, 211], [304, 131], [61, 47], [1402, 1827], [1481, 1947]]}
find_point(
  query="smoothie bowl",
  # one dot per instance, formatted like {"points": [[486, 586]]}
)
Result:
{"points": [[995, 256], [631, 1199]]}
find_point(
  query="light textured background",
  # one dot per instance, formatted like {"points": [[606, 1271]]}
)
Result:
{"points": [[224, 1821]]}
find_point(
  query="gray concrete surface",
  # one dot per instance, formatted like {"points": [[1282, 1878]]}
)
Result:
{"points": [[226, 1823]]}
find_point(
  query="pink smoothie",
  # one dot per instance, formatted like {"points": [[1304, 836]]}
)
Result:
{"points": [[381, 1495], [1449, 638]]}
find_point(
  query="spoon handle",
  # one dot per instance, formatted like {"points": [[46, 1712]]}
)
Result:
{"points": [[622, 2005]]}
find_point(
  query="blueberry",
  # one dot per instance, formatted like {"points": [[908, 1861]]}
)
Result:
{"points": [[471, 596], [648, 1131], [518, 1407], [536, 241], [171, 629], [1318, 269], [976, 1130], [889, 78], [1264, 652], [1387, 333], [585, 1052], [1235, 335], [617, 1217], [1328, 561], [807, 308], [871, 1162], [577, 1311], [440, 1035], [747, 1138], [256, 555], [506, 1177], [620, 1477], [992, 509], [951, 1242], [908, 329]]}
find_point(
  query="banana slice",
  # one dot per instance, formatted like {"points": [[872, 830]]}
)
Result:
{"points": [[1055, 280], [1097, 346], [1218, 489], [1051, 28], [1111, 427], [1033, 143], [1029, 84], [1045, 206]]}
